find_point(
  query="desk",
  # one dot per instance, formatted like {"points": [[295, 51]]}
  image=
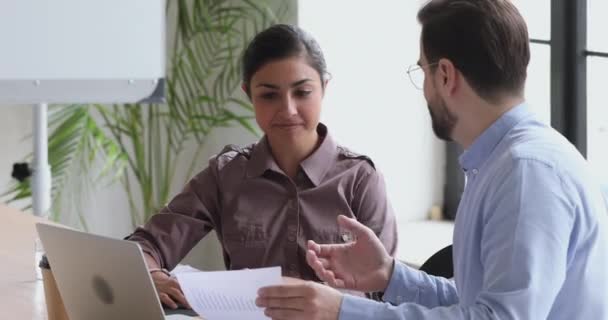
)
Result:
{"points": [[21, 295], [419, 240]]}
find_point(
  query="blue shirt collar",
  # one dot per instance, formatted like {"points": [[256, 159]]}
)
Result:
{"points": [[483, 146]]}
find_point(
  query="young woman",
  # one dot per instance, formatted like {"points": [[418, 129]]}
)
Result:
{"points": [[267, 199]]}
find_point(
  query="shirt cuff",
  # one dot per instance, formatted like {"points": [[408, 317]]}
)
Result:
{"points": [[359, 308], [404, 285]]}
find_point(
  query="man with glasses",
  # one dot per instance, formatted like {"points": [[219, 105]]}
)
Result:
{"points": [[530, 237]]}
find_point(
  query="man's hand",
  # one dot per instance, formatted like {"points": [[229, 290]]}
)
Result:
{"points": [[362, 265], [299, 299], [169, 291]]}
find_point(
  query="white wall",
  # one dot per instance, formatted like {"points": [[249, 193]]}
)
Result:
{"points": [[107, 210], [370, 105], [15, 125]]}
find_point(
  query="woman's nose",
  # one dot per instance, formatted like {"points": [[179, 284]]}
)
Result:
{"points": [[289, 106]]}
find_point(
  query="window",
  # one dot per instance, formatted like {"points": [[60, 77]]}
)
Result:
{"points": [[597, 116], [597, 25], [597, 68], [537, 16], [538, 89], [538, 84]]}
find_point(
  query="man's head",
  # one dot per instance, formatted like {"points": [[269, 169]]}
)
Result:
{"points": [[479, 45]]}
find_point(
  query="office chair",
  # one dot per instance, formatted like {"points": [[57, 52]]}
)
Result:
{"points": [[440, 264]]}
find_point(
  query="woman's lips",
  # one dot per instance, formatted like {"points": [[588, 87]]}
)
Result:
{"points": [[287, 125]]}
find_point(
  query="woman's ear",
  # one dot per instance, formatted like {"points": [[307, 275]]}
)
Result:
{"points": [[245, 90], [325, 82]]}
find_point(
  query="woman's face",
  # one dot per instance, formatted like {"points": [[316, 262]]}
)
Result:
{"points": [[287, 95]]}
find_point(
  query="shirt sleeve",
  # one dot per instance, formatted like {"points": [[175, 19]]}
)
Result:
{"points": [[528, 219], [411, 285], [169, 235], [373, 209]]}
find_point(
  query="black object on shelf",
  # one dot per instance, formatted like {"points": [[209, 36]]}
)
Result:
{"points": [[21, 171]]}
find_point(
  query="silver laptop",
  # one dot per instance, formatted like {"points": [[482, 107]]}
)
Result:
{"points": [[101, 278]]}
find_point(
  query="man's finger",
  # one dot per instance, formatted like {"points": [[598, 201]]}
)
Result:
{"points": [[354, 226], [312, 259], [323, 270], [282, 303], [314, 246], [290, 280], [331, 279], [319, 267], [334, 281], [283, 291], [283, 314], [332, 250]]}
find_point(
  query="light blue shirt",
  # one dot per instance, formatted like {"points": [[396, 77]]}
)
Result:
{"points": [[530, 237]]}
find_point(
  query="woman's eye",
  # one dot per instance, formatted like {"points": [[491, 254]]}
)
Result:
{"points": [[303, 93], [268, 95]]}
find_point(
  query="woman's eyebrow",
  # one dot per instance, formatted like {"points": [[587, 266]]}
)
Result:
{"points": [[274, 86]]}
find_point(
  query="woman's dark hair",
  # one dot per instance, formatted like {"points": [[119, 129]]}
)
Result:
{"points": [[487, 40], [278, 42]]}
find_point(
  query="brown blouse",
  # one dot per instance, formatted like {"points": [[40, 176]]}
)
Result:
{"points": [[262, 217]]}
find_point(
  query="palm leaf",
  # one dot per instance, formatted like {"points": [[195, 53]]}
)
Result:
{"points": [[76, 140]]}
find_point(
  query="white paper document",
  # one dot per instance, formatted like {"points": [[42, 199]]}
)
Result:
{"points": [[230, 295]]}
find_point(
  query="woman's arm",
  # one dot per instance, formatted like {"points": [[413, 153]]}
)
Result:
{"points": [[373, 209], [169, 235]]}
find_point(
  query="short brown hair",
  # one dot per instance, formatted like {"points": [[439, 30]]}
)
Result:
{"points": [[487, 40]]}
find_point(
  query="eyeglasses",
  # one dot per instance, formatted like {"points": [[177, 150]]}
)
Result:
{"points": [[416, 74]]}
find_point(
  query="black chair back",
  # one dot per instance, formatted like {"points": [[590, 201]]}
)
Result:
{"points": [[440, 264]]}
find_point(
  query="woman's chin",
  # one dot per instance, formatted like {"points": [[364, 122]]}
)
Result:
{"points": [[291, 134], [291, 130]]}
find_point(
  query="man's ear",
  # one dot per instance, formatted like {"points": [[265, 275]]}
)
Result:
{"points": [[448, 76]]}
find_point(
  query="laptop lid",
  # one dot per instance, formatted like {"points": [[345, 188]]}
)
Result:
{"points": [[100, 278]]}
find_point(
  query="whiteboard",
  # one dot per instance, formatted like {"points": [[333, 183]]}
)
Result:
{"points": [[81, 51]]}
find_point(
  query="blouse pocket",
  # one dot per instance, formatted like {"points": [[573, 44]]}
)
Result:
{"points": [[246, 247]]}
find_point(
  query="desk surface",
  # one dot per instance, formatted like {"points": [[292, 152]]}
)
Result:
{"points": [[21, 295]]}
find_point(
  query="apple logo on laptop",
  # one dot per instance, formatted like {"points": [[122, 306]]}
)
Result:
{"points": [[103, 290]]}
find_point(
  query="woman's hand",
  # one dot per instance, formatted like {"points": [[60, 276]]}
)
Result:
{"points": [[168, 288], [169, 291]]}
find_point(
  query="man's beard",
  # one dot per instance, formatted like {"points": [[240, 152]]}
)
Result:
{"points": [[443, 121]]}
